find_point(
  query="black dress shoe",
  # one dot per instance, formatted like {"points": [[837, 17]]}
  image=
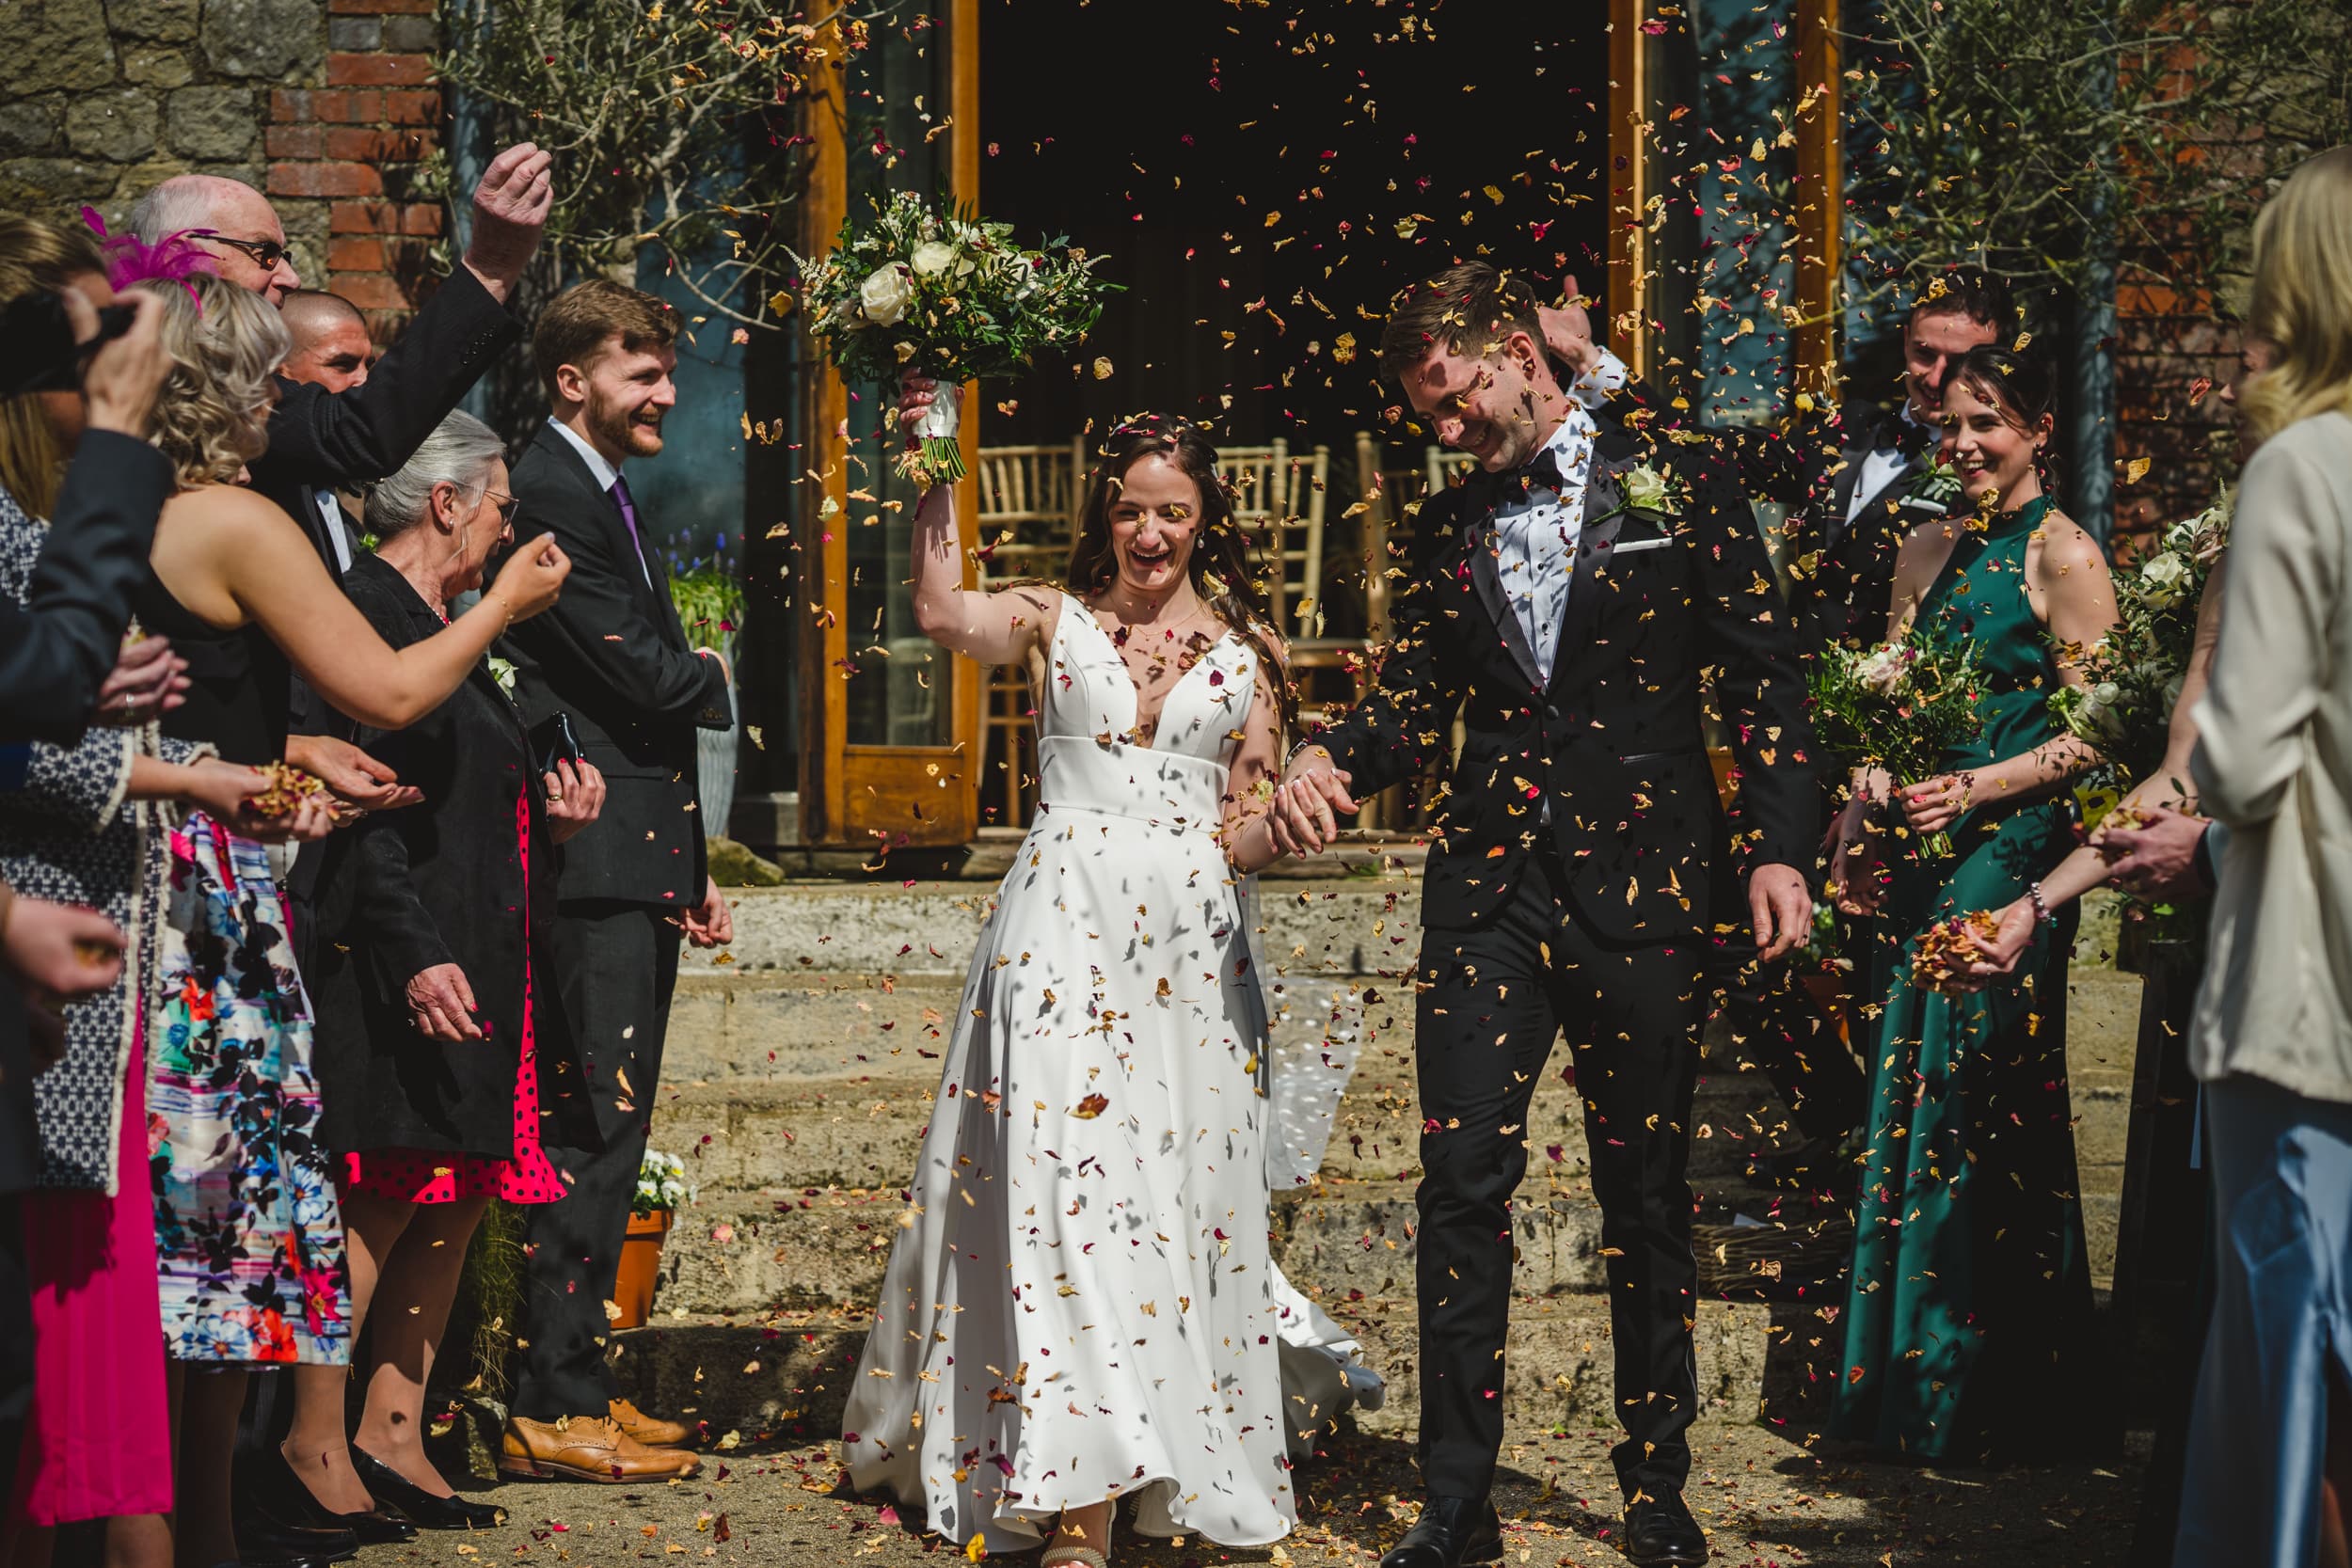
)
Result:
{"points": [[1660, 1533], [265, 1543], [1450, 1531], [269, 1484], [388, 1486]]}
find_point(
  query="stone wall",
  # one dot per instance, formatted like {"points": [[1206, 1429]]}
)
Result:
{"points": [[324, 103]]}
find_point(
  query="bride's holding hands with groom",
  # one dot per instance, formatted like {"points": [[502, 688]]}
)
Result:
{"points": [[1080, 1304]]}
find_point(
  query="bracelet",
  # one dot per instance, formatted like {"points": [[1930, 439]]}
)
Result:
{"points": [[2041, 911]]}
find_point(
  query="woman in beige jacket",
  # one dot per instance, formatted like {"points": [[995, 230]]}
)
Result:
{"points": [[2273, 1033]]}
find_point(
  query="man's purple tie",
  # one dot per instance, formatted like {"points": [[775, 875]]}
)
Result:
{"points": [[629, 515]]}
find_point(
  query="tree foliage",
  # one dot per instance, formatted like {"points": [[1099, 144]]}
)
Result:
{"points": [[2043, 140], [674, 125]]}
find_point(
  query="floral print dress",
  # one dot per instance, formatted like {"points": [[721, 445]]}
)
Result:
{"points": [[247, 1231]]}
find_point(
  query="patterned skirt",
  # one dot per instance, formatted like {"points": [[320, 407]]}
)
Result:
{"points": [[247, 1231]]}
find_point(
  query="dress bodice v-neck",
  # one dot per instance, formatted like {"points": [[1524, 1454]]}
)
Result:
{"points": [[1088, 756]]}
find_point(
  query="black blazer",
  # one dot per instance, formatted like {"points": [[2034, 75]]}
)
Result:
{"points": [[1615, 737], [611, 654], [320, 440], [56, 649], [439, 882], [1841, 574]]}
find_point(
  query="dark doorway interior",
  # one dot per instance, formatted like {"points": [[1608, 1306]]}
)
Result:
{"points": [[1261, 178]]}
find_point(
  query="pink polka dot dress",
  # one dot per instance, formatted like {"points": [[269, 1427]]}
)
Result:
{"points": [[438, 1176]]}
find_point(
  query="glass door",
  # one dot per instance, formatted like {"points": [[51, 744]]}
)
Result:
{"points": [[893, 718]]}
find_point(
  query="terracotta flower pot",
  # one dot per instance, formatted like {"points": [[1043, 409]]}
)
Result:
{"points": [[640, 1266]]}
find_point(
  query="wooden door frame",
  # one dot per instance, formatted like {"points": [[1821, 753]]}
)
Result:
{"points": [[848, 792], [1820, 190]]}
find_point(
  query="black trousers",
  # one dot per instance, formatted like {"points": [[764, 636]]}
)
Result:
{"points": [[16, 1325], [1776, 1027], [616, 965], [1491, 1003]]}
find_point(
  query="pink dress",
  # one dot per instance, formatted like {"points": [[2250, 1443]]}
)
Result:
{"points": [[433, 1176], [98, 1438]]}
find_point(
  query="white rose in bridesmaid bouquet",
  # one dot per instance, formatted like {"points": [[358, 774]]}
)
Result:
{"points": [[932, 258], [885, 294], [2160, 580]]}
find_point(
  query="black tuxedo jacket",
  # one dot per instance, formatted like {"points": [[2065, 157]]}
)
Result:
{"points": [[322, 440], [611, 654], [1614, 739], [1841, 573]]}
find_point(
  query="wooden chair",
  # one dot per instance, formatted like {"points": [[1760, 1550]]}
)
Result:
{"points": [[1278, 501], [1030, 499]]}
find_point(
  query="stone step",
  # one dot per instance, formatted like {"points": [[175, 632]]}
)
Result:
{"points": [[1364, 924], [784, 1377]]}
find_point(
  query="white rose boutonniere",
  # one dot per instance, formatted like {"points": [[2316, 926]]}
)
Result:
{"points": [[885, 294], [1648, 490], [503, 672]]}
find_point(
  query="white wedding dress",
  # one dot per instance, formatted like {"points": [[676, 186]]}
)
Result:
{"points": [[1080, 1303]]}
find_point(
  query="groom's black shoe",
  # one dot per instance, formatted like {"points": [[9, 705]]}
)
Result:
{"points": [[1659, 1531], [1450, 1531]]}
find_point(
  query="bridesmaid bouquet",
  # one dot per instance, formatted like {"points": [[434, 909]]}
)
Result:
{"points": [[1901, 706], [949, 293], [2132, 676]]}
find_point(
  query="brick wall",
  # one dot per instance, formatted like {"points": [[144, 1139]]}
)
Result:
{"points": [[345, 155]]}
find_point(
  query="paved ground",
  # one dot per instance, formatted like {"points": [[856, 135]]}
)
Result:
{"points": [[1766, 1501]]}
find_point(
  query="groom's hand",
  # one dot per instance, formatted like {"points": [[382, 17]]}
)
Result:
{"points": [[1302, 820], [1782, 906]]}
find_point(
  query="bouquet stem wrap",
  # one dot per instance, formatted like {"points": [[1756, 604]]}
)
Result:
{"points": [[939, 458]]}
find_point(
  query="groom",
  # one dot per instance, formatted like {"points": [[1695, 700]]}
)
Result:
{"points": [[1568, 603]]}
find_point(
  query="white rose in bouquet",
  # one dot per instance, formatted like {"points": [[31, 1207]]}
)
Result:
{"points": [[932, 258], [1884, 670], [885, 294], [2161, 580]]}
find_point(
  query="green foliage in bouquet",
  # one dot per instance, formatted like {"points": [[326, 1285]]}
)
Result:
{"points": [[925, 286], [1902, 707], [2132, 676]]}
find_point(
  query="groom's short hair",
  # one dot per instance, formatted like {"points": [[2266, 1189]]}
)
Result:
{"points": [[1467, 309]]}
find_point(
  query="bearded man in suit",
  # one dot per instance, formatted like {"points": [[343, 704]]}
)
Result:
{"points": [[1565, 603], [618, 667]]}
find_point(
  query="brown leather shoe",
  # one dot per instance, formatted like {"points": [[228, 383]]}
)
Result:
{"points": [[587, 1448], [649, 1430]]}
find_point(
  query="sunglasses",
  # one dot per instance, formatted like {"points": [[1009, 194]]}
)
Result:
{"points": [[266, 254]]}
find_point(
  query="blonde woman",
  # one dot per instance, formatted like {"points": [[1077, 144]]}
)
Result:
{"points": [[2272, 1038], [249, 1237]]}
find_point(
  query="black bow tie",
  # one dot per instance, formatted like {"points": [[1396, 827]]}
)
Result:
{"points": [[1896, 434], [1544, 471]]}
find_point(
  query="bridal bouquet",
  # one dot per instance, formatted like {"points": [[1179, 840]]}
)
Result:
{"points": [[2132, 676], [1900, 707], [947, 294]]}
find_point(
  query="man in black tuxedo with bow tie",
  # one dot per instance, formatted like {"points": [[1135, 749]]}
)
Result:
{"points": [[619, 668], [1566, 603]]}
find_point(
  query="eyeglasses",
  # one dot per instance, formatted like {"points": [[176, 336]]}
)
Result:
{"points": [[266, 254], [508, 506]]}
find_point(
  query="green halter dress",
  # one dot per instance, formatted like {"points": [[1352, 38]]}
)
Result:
{"points": [[1968, 1310]]}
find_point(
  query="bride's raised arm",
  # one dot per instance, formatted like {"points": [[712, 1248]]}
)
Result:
{"points": [[1002, 628], [1256, 769]]}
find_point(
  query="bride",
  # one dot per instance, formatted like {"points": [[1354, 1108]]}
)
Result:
{"points": [[1080, 1304]]}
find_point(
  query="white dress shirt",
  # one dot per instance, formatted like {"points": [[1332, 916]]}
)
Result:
{"points": [[606, 475], [1879, 468], [1535, 534], [338, 531]]}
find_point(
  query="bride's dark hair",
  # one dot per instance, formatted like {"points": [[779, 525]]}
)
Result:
{"points": [[1222, 565]]}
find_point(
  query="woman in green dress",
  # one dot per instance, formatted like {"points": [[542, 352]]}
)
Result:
{"points": [[1967, 1315]]}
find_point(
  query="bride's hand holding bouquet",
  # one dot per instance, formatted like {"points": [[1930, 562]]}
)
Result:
{"points": [[923, 289]]}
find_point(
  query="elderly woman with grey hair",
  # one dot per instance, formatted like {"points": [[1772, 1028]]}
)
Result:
{"points": [[437, 1056]]}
